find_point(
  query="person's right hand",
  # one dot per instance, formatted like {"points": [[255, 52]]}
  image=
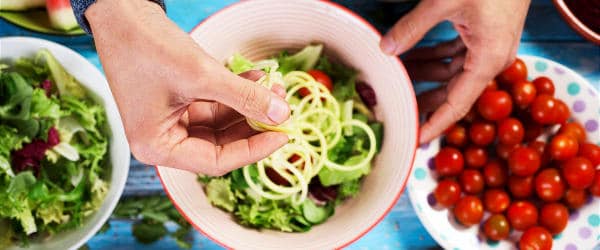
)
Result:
{"points": [[180, 107]]}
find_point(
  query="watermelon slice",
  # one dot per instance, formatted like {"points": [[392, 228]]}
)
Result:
{"points": [[61, 14], [21, 4]]}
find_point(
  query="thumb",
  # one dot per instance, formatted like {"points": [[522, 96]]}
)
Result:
{"points": [[413, 26], [248, 98]]}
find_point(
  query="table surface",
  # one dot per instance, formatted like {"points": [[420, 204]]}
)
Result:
{"points": [[545, 35]]}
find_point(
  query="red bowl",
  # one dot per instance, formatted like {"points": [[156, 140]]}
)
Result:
{"points": [[575, 22]]}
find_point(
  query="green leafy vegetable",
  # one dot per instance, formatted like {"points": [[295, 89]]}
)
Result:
{"points": [[303, 60], [220, 195], [239, 64]]}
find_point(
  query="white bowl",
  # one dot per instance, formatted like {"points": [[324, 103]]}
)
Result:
{"points": [[88, 75], [259, 29], [582, 232]]}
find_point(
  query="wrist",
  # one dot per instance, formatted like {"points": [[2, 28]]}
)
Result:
{"points": [[113, 14]]}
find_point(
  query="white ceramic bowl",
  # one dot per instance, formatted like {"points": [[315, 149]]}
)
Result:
{"points": [[583, 230], [259, 29], [88, 75]]}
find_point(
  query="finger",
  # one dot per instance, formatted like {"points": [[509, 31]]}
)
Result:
{"points": [[204, 133], [252, 75], [435, 70], [212, 114], [200, 156], [279, 90], [237, 131], [412, 27], [439, 51]]}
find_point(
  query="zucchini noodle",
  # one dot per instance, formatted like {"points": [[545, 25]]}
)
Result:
{"points": [[316, 124]]}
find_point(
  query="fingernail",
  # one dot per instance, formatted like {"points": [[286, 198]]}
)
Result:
{"points": [[388, 45], [279, 110]]}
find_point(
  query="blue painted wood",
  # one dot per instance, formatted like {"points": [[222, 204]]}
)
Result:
{"points": [[545, 35]]}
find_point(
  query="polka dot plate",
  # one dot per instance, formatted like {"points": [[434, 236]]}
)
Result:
{"points": [[583, 230]]}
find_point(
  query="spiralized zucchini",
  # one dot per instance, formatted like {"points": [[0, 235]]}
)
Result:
{"points": [[316, 124]]}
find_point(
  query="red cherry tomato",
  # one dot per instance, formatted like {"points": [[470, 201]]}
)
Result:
{"points": [[524, 161], [575, 198], [472, 116], [319, 76], [475, 157], [523, 93], [449, 162], [539, 146], [536, 238], [516, 72], [492, 85], [482, 133], [457, 136], [579, 172], [543, 109], [591, 152], [510, 131], [595, 187], [573, 129], [562, 112], [544, 85], [447, 192], [522, 215], [520, 187], [468, 210], [471, 181], [496, 200], [554, 217], [549, 185], [533, 131], [496, 227], [563, 147], [494, 105], [503, 150], [495, 173]]}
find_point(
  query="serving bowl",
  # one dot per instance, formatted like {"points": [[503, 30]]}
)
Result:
{"points": [[583, 229], [91, 78], [575, 22], [260, 29]]}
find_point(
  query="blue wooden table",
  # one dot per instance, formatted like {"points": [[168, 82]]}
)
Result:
{"points": [[545, 35]]}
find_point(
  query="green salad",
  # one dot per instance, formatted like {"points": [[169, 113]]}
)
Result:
{"points": [[333, 139], [53, 150]]}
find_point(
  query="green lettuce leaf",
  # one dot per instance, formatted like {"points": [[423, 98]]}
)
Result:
{"points": [[330, 177], [303, 60], [219, 193], [239, 64], [67, 85]]}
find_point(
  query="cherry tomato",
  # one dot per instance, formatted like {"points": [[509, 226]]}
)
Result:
{"points": [[544, 85], [482, 133], [475, 157], [554, 217], [579, 172], [496, 227], [595, 187], [575, 198], [503, 150], [319, 76], [522, 215], [549, 185], [520, 187], [563, 147], [533, 131], [494, 105], [524, 161], [496, 200], [536, 238], [591, 152], [573, 129], [495, 173], [468, 210], [543, 109], [541, 148], [472, 116], [447, 192], [561, 112], [492, 85], [457, 136], [471, 181], [523, 93], [449, 162], [510, 131], [516, 72]]}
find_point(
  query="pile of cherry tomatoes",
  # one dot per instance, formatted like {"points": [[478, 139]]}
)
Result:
{"points": [[517, 156]]}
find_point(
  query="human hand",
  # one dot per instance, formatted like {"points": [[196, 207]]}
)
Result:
{"points": [[180, 107], [489, 33]]}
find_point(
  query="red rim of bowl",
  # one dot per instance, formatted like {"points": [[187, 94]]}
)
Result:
{"points": [[395, 200], [575, 23]]}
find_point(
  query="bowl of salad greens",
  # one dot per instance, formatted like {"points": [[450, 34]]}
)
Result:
{"points": [[63, 155], [353, 130]]}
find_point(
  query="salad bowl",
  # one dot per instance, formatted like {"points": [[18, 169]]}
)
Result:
{"points": [[262, 29]]}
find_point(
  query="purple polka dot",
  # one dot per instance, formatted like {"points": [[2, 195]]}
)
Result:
{"points": [[574, 215], [591, 125], [592, 92], [430, 164], [579, 106], [424, 146], [570, 246], [431, 200], [585, 232], [559, 70]]}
